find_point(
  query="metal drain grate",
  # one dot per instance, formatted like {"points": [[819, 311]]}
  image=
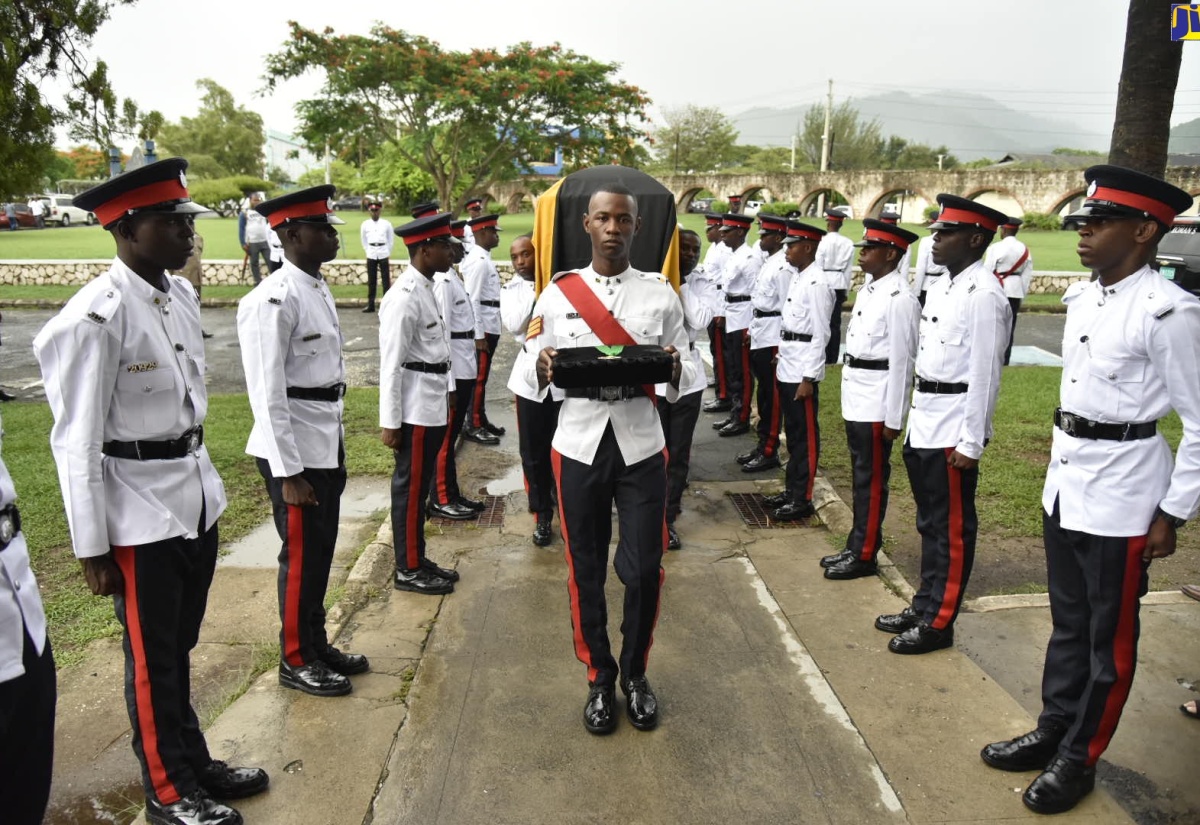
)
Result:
{"points": [[756, 515], [492, 515]]}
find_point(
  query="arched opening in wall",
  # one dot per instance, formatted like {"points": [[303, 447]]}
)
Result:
{"points": [[1068, 204], [755, 198], [519, 202], [695, 200], [812, 203], [1000, 200], [908, 204]]}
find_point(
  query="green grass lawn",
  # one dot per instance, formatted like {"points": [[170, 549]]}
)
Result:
{"points": [[76, 617]]}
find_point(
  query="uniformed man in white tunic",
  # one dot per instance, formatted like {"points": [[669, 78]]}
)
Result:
{"points": [[1010, 261], [835, 256], [737, 281], [1113, 498], [963, 332], [713, 266], [123, 365], [416, 387], [377, 236], [483, 285], [881, 345], [611, 450], [291, 342], [926, 271], [446, 499], [474, 207], [767, 299]]}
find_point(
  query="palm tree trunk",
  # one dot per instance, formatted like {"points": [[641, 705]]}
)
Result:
{"points": [[1146, 95]]}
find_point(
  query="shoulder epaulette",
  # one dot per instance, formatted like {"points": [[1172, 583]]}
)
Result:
{"points": [[1075, 290], [104, 304], [558, 275], [1159, 303], [277, 291], [657, 277]]}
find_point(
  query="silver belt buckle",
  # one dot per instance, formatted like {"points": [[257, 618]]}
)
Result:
{"points": [[610, 394], [194, 443], [1066, 423], [8, 529]]}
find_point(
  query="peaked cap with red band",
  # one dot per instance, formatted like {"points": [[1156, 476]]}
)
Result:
{"points": [[312, 205], [735, 198], [156, 187], [797, 232], [426, 229], [736, 220], [712, 219], [771, 223], [474, 203], [958, 212], [1117, 192], [424, 209], [832, 214], [892, 218], [1012, 223], [485, 222], [882, 233], [458, 229]]}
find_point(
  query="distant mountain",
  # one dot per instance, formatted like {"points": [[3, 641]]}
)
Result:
{"points": [[971, 125], [1185, 138]]}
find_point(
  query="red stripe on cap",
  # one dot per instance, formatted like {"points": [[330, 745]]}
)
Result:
{"points": [[713, 221], [424, 213], [1157, 209], [458, 231], [309, 209], [739, 222], [484, 224], [808, 234], [437, 232], [884, 236], [773, 226], [838, 218], [951, 215], [148, 195]]}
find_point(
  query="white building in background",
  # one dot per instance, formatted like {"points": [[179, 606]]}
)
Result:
{"points": [[288, 153]]}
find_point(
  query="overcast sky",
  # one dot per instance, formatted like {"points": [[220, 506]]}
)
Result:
{"points": [[1060, 58]]}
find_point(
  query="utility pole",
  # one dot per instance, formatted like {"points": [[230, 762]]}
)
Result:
{"points": [[825, 139], [793, 151], [940, 162], [328, 165]]}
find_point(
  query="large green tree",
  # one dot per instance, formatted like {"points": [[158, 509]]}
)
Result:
{"points": [[695, 139], [228, 134], [467, 119], [855, 143], [41, 40]]}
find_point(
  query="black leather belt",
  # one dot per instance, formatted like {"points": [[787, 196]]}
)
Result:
{"points": [[605, 393], [864, 363], [767, 313], [1080, 427], [788, 335], [10, 524], [469, 335], [421, 366], [940, 387], [490, 303], [736, 299], [185, 445], [334, 393], [376, 244]]}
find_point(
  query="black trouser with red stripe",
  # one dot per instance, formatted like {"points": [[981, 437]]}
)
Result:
{"points": [[445, 474], [309, 535], [585, 496], [871, 466], [834, 347], [769, 413], [679, 428], [410, 490], [1095, 585], [479, 403], [1015, 304], [161, 606], [27, 736], [716, 346], [948, 525], [803, 429], [536, 423], [738, 378], [382, 267]]}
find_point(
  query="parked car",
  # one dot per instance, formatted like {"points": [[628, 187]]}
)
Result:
{"points": [[24, 216], [61, 209], [700, 204], [751, 208], [357, 202], [1178, 257]]}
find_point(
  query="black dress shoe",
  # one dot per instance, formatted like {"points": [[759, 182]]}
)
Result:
{"points": [[430, 566], [852, 568], [422, 581], [1030, 752], [472, 504], [831, 560], [542, 534], [762, 462], [314, 678], [921, 638], [673, 542], [194, 809], [734, 428], [717, 405], [750, 456], [369, 309], [778, 499], [599, 714], [480, 436], [453, 511], [641, 704], [722, 424], [494, 429], [1060, 787], [223, 782], [897, 622], [347, 664], [5, 395], [794, 512]]}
